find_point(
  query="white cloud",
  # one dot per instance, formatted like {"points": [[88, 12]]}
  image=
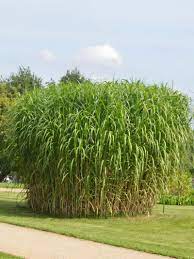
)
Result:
{"points": [[104, 55], [47, 55]]}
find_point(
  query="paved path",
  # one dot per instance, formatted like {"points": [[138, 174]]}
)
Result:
{"points": [[35, 244]]}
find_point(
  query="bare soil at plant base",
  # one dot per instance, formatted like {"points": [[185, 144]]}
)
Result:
{"points": [[31, 243]]}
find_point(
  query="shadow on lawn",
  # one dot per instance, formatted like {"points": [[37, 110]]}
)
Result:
{"points": [[10, 207], [17, 207]]}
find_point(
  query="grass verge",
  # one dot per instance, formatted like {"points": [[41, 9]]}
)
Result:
{"points": [[7, 256], [171, 233], [11, 185]]}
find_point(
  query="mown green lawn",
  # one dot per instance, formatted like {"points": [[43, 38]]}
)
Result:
{"points": [[6, 256], [171, 233], [11, 185]]}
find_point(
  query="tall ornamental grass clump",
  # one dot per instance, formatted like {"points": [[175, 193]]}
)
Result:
{"points": [[98, 149]]}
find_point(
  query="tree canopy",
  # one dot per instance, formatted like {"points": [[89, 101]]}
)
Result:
{"points": [[22, 81], [15, 85], [73, 76]]}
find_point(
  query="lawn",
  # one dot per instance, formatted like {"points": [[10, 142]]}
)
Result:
{"points": [[171, 233], [11, 185], [7, 256]]}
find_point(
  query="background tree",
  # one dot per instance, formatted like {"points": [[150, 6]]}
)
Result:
{"points": [[73, 76], [22, 81], [5, 103], [10, 88]]}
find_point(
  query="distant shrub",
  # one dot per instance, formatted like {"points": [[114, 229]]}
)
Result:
{"points": [[180, 184], [179, 191], [177, 200]]}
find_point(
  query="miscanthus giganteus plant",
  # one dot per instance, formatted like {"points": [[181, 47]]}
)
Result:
{"points": [[99, 149]]}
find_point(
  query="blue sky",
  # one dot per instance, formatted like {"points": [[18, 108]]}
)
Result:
{"points": [[150, 40]]}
